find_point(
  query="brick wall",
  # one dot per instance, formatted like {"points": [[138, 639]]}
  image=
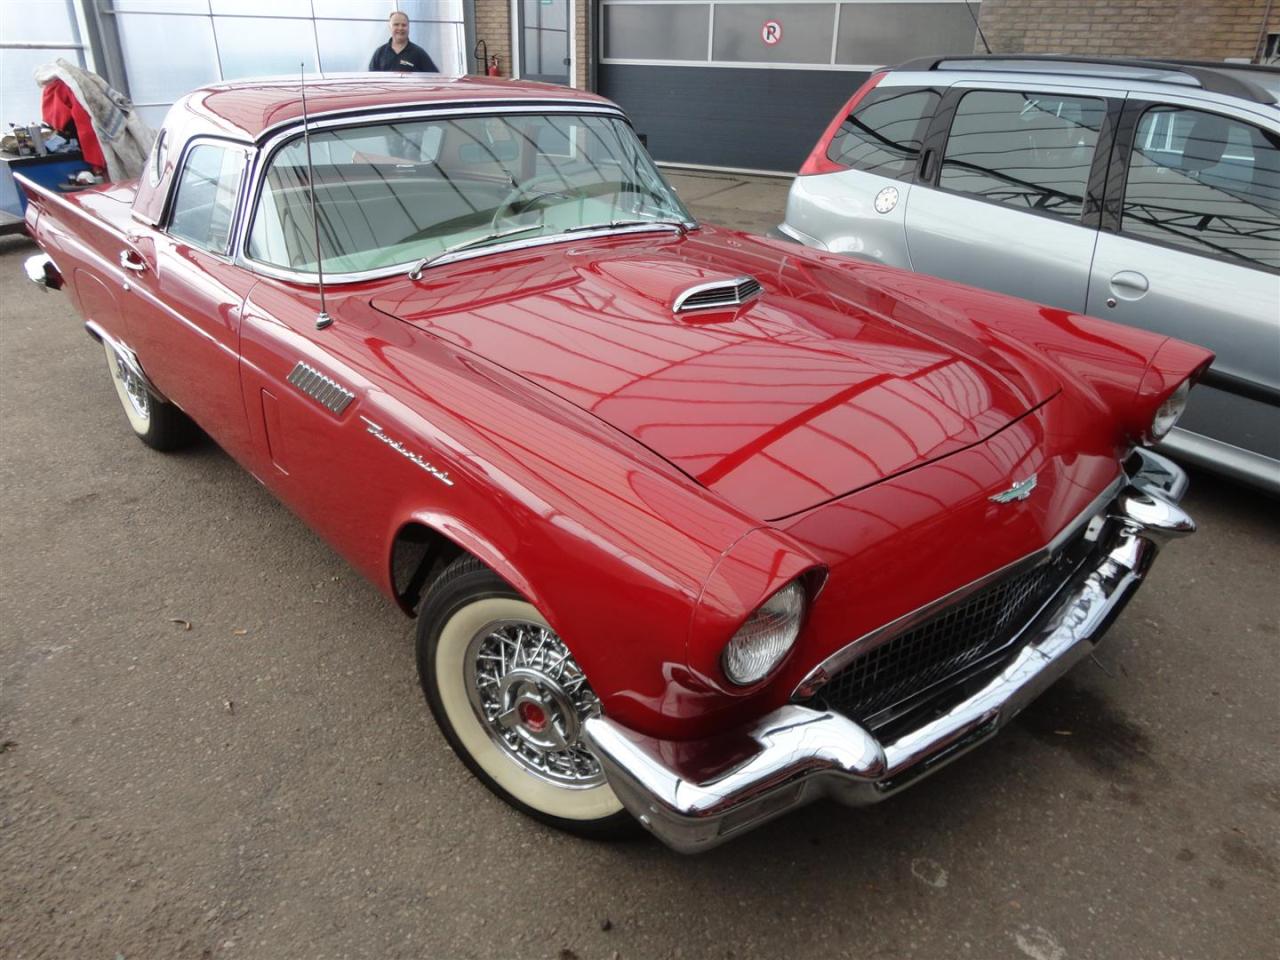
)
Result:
{"points": [[493, 26], [1191, 29], [580, 43]]}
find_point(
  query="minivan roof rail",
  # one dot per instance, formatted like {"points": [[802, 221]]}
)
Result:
{"points": [[1208, 76]]}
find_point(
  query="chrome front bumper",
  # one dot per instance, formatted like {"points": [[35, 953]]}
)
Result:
{"points": [[800, 754]]}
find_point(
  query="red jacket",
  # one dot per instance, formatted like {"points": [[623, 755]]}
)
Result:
{"points": [[63, 112]]}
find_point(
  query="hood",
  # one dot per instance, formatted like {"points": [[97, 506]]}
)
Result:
{"points": [[823, 383]]}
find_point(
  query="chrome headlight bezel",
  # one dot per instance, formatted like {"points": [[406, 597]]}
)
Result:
{"points": [[766, 637]]}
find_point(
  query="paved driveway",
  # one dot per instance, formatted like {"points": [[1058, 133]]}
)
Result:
{"points": [[268, 782]]}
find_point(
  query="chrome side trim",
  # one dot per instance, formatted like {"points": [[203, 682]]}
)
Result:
{"points": [[801, 754], [127, 356], [1247, 466], [734, 292], [327, 392]]}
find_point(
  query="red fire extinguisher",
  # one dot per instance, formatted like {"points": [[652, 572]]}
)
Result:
{"points": [[493, 70]]}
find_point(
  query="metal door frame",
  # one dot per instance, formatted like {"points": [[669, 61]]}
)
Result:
{"points": [[517, 38]]}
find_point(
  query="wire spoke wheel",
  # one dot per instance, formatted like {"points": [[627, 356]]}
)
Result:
{"points": [[511, 699], [533, 696]]}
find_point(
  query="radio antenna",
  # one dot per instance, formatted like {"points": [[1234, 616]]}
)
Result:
{"points": [[322, 318]]}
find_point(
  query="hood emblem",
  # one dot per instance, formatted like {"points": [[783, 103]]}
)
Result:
{"points": [[1020, 490]]}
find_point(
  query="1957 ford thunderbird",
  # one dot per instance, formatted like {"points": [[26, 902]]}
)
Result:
{"points": [[697, 526]]}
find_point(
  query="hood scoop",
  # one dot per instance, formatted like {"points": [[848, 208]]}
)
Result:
{"points": [[717, 294]]}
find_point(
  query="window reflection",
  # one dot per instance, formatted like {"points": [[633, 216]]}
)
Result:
{"points": [[1207, 183]]}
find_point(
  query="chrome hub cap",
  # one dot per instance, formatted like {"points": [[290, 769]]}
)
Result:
{"points": [[134, 389], [532, 699]]}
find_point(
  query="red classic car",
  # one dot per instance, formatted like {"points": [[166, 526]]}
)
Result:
{"points": [[697, 526]]}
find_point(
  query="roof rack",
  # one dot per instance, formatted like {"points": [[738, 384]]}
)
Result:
{"points": [[1210, 77]]}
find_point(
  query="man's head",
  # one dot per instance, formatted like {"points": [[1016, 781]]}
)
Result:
{"points": [[399, 23]]}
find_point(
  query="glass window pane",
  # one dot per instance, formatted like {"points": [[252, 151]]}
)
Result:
{"points": [[41, 21], [1207, 183], [259, 47], [154, 79], [389, 194], [430, 9], [668, 31], [347, 45], [1028, 150], [877, 33], [806, 32], [355, 9], [161, 6], [206, 198], [885, 133], [250, 8], [19, 93], [442, 41]]}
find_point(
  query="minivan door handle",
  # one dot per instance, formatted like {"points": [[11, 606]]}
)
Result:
{"points": [[1129, 284]]}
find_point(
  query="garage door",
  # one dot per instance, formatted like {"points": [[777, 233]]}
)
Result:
{"points": [[751, 85]]}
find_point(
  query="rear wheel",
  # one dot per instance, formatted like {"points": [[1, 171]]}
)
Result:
{"points": [[511, 700], [158, 424]]}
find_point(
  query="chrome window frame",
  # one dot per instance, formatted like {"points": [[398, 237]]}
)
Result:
{"points": [[276, 137], [237, 210]]}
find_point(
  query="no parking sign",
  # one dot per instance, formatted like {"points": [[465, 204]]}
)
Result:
{"points": [[771, 32]]}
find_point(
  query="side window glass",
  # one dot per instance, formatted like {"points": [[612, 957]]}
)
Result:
{"points": [[206, 197], [1031, 151], [1206, 183], [884, 133]]}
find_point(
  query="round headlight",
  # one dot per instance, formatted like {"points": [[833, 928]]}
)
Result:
{"points": [[766, 637], [1170, 411]]}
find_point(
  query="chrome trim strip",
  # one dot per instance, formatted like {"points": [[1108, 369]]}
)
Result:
{"points": [[323, 390], [269, 135], [125, 354], [732, 287], [804, 754]]}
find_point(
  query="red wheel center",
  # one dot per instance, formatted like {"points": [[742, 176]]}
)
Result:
{"points": [[533, 717]]}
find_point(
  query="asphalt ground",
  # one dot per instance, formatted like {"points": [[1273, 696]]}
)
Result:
{"points": [[213, 744]]}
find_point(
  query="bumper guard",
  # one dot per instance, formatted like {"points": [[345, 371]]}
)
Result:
{"points": [[804, 754]]}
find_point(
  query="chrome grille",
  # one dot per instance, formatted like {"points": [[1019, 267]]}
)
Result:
{"points": [[718, 294], [950, 644]]}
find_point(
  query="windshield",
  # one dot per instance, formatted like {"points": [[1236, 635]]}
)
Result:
{"points": [[398, 193]]}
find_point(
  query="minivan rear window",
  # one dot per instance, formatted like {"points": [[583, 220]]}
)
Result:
{"points": [[1027, 150], [884, 133]]}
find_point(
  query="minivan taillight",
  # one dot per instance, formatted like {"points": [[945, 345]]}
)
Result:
{"points": [[818, 161]]}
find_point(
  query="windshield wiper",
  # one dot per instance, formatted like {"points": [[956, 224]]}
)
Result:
{"points": [[678, 225], [416, 272]]}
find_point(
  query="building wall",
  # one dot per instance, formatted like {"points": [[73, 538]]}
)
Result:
{"points": [[1191, 29], [493, 26]]}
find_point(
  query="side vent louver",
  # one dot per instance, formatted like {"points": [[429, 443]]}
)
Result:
{"points": [[328, 393], [718, 294]]}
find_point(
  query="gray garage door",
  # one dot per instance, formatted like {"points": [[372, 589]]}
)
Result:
{"points": [[751, 85]]}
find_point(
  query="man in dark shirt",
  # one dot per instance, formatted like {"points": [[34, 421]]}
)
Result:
{"points": [[400, 54]]}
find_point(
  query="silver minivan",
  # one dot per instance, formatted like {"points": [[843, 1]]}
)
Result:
{"points": [[1146, 193]]}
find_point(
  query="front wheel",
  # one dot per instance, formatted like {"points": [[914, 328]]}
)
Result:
{"points": [[511, 700], [158, 424]]}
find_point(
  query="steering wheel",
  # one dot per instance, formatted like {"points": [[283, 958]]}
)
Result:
{"points": [[524, 196]]}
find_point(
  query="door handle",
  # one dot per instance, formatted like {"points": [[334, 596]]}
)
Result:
{"points": [[130, 260], [1130, 281]]}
